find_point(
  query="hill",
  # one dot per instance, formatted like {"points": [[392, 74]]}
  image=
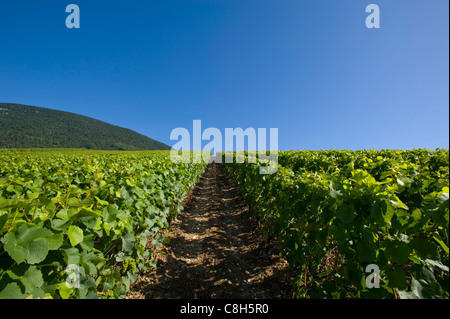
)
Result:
{"points": [[24, 126]]}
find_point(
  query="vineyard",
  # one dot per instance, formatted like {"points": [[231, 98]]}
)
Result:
{"points": [[85, 224], [82, 224], [336, 212]]}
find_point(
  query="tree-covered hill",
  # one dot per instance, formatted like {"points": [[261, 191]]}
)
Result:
{"points": [[24, 126]]}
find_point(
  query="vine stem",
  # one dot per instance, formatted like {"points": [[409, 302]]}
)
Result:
{"points": [[395, 293], [14, 219], [26, 217], [67, 197], [54, 211], [90, 189]]}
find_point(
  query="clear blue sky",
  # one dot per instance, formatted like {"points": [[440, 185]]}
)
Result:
{"points": [[309, 68]]}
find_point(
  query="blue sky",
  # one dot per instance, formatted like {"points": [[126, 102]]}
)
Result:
{"points": [[309, 68]]}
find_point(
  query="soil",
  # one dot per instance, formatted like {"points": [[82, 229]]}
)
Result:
{"points": [[216, 250]]}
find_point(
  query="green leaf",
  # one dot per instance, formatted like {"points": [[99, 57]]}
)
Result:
{"points": [[64, 290], [101, 202], [3, 219], [88, 261], [166, 240], [346, 213], [397, 251], [66, 214], [60, 224], [396, 278], [74, 202], [426, 248], [89, 221], [14, 249], [387, 211], [367, 252], [107, 228], [400, 252], [88, 242], [416, 215], [414, 293], [33, 281], [403, 180], [110, 214], [54, 241], [72, 256], [336, 193], [435, 263], [398, 203], [30, 233], [75, 234], [128, 241], [38, 250], [441, 242], [12, 291], [27, 244], [430, 287]]}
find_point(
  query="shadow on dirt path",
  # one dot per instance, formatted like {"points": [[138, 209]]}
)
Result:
{"points": [[216, 250]]}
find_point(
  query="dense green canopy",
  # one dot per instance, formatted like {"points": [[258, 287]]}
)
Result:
{"points": [[23, 126]]}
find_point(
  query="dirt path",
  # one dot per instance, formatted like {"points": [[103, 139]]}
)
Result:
{"points": [[216, 250]]}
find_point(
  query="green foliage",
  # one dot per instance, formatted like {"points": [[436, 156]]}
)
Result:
{"points": [[82, 224], [23, 126], [335, 212]]}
